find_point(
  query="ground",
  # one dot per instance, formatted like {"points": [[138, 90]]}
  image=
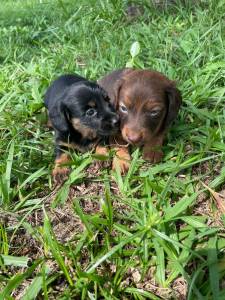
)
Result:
{"points": [[156, 233]]}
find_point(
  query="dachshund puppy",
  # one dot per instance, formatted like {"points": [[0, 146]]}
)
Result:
{"points": [[147, 103], [81, 115]]}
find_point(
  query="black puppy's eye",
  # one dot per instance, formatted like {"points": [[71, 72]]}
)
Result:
{"points": [[123, 108], [91, 112]]}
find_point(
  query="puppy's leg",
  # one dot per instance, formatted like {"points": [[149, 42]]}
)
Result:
{"points": [[122, 158], [152, 150], [60, 171], [101, 150], [49, 124]]}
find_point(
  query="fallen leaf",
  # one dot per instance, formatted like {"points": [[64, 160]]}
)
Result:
{"points": [[136, 276], [219, 197]]}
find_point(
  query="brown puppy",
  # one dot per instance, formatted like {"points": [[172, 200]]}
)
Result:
{"points": [[147, 102]]}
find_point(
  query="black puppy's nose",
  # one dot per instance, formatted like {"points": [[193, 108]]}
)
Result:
{"points": [[115, 121]]}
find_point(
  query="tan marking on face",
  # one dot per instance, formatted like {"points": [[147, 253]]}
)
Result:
{"points": [[92, 103], [85, 131], [127, 101], [152, 104]]}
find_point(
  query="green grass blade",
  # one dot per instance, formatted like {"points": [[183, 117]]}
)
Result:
{"points": [[4, 244], [61, 196], [177, 266], [213, 268], [16, 280], [4, 192], [35, 287], [16, 261], [119, 179], [145, 294], [77, 174], [83, 217], [9, 165], [131, 170], [160, 263], [54, 247], [112, 251], [194, 222], [172, 241], [179, 207], [33, 177], [107, 207]]}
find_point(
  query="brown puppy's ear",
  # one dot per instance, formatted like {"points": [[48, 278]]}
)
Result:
{"points": [[116, 92], [118, 84], [174, 102], [58, 116], [112, 83], [104, 94]]}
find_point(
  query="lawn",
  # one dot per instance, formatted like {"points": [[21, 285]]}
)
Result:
{"points": [[156, 233]]}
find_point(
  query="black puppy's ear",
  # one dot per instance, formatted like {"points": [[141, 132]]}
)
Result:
{"points": [[58, 116], [174, 102]]}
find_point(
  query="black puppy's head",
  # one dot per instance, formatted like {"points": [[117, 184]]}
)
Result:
{"points": [[86, 107]]}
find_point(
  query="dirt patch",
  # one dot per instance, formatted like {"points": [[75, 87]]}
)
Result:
{"points": [[67, 225]]}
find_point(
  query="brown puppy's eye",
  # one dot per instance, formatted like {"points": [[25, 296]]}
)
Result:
{"points": [[91, 112], [155, 113], [123, 108]]}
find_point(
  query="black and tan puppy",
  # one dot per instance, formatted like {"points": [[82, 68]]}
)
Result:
{"points": [[81, 115]]}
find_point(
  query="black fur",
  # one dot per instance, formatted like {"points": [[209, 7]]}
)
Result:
{"points": [[68, 99]]}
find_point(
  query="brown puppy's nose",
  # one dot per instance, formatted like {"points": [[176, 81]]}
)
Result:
{"points": [[134, 138]]}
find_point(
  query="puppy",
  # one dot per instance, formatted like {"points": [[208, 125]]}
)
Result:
{"points": [[81, 115], [147, 103]]}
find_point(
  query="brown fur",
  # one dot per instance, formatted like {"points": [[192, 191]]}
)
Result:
{"points": [[143, 93], [60, 171]]}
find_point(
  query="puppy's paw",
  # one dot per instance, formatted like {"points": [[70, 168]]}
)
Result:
{"points": [[102, 156], [122, 164], [153, 156], [101, 151], [60, 174], [122, 160], [101, 164]]}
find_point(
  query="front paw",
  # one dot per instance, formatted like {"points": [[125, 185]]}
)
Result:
{"points": [[60, 174], [102, 156], [122, 164], [101, 164], [153, 156]]}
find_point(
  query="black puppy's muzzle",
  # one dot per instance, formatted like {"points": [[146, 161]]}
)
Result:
{"points": [[110, 124]]}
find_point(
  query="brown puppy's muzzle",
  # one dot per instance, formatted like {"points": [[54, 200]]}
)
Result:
{"points": [[133, 136]]}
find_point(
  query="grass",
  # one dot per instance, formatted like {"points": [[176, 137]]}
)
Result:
{"points": [[158, 232]]}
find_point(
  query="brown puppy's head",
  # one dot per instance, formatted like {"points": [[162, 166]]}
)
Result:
{"points": [[147, 103]]}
